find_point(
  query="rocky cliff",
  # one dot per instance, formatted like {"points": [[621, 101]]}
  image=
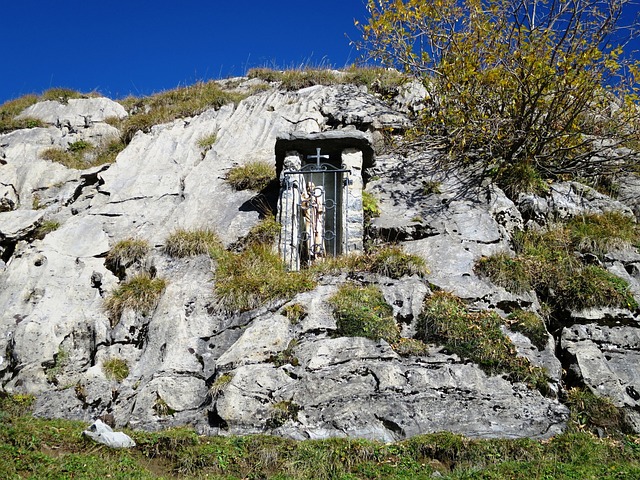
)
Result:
{"points": [[190, 361]]}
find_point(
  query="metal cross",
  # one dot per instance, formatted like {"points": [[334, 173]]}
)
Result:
{"points": [[317, 157]]}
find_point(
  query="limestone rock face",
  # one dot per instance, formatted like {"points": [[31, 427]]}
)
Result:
{"points": [[187, 361]]}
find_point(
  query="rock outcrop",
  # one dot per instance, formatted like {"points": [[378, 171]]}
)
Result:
{"points": [[190, 362]]}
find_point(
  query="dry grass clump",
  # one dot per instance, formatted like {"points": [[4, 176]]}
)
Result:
{"points": [[379, 80], [220, 383], [81, 154], [256, 276], [207, 141], [126, 252], [186, 243], [140, 293], [12, 108], [254, 175], [177, 103], [389, 260]]}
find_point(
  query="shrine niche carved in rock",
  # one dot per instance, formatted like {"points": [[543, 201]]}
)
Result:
{"points": [[320, 204]]}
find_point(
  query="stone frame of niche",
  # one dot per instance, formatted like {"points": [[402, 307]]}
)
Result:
{"points": [[349, 152]]}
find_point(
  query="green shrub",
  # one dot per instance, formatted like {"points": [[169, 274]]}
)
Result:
{"points": [[187, 243], [115, 369], [141, 294], [476, 336], [520, 178], [530, 325], [256, 276], [363, 312], [370, 206], [254, 175]]}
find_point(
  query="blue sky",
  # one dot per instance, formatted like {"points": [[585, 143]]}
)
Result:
{"points": [[121, 47], [140, 47]]}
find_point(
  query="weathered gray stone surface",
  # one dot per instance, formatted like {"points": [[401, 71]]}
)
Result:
{"points": [[299, 379]]}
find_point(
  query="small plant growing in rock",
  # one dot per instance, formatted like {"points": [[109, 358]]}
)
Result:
{"points": [[265, 232], [392, 261], [410, 347], [59, 94], [593, 413], [431, 187], [60, 359], [363, 312], [295, 312], [161, 407], [207, 141], [530, 325], [370, 206], [45, 228], [256, 276], [282, 412], [12, 108], [545, 263], [186, 243], [220, 383], [254, 175], [115, 369], [126, 253], [286, 356], [141, 294]]}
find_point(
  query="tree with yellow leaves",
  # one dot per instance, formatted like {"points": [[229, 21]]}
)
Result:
{"points": [[525, 89]]}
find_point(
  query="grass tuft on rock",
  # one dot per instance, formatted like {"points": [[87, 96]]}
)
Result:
{"points": [[256, 276], [547, 263], [363, 312], [388, 260], [477, 336], [81, 154], [592, 413], [141, 294], [187, 243], [530, 325], [115, 369], [254, 175], [127, 252]]}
